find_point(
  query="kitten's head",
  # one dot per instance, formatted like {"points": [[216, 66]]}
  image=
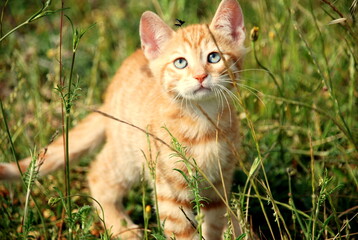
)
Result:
{"points": [[190, 63]]}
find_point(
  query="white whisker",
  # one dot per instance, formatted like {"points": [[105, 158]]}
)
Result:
{"points": [[229, 93], [252, 90], [220, 99], [227, 102], [233, 64], [249, 70]]}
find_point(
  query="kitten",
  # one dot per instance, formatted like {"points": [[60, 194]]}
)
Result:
{"points": [[178, 80]]}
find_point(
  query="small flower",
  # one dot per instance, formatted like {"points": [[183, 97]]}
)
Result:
{"points": [[272, 35], [148, 209], [254, 34]]}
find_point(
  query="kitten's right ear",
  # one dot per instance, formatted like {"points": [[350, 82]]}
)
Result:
{"points": [[154, 33], [229, 20]]}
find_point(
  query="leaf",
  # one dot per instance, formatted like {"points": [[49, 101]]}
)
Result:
{"points": [[254, 166], [62, 198], [183, 174], [338, 20], [241, 236]]}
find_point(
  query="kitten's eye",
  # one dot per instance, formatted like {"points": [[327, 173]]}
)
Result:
{"points": [[214, 57], [180, 63]]}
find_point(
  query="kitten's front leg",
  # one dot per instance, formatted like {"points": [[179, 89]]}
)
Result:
{"points": [[214, 219], [215, 211], [175, 210]]}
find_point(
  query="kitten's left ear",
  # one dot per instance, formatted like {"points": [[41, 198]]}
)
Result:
{"points": [[229, 20], [154, 33]]}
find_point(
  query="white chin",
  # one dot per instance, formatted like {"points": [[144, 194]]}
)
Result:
{"points": [[200, 95]]}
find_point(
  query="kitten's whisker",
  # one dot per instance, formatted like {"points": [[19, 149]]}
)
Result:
{"points": [[243, 85], [227, 103], [253, 91], [220, 100], [230, 94], [249, 70], [249, 79], [249, 88], [233, 64]]}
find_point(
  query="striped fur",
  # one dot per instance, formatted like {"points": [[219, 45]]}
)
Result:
{"points": [[150, 92]]}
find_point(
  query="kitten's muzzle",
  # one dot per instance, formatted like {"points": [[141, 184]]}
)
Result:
{"points": [[201, 77]]}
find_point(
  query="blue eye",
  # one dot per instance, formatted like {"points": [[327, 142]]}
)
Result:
{"points": [[214, 57], [180, 63]]}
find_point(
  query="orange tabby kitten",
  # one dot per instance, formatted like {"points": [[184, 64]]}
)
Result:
{"points": [[178, 80]]}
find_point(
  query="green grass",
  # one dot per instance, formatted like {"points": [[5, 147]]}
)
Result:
{"points": [[298, 178]]}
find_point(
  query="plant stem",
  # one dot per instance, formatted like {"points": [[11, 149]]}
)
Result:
{"points": [[20, 171], [2, 16], [13, 30], [39, 14], [10, 139], [62, 111], [267, 70], [67, 130]]}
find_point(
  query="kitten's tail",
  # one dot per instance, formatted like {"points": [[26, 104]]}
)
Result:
{"points": [[88, 134]]}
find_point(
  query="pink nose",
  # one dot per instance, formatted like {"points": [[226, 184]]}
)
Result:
{"points": [[201, 77]]}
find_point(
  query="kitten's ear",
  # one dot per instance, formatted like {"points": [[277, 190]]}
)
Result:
{"points": [[154, 33], [229, 20]]}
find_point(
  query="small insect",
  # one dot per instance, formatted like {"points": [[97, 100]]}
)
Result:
{"points": [[179, 22]]}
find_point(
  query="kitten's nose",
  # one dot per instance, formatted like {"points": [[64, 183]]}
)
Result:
{"points": [[201, 77]]}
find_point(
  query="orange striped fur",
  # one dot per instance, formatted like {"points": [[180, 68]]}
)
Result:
{"points": [[192, 100]]}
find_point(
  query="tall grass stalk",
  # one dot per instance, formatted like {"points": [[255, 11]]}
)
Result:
{"points": [[151, 163], [67, 130], [68, 99], [29, 178], [295, 214], [146, 212], [2, 17], [12, 147], [313, 196], [318, 200], [62, 110]]}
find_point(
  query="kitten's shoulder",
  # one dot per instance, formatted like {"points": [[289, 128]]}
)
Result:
{"points": [[137, 62], [137, 58], [134, 69]]}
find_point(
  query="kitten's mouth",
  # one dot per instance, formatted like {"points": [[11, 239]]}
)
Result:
{"points": [[202, 89]]}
